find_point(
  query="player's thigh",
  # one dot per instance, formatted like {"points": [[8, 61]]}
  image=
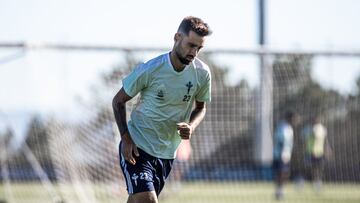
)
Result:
{"points": [[143, 197]]}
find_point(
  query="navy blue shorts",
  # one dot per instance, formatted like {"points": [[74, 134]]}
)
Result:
{"points": [[148, 174], [279, 166]]}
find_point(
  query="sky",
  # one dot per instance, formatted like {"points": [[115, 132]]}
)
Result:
{"points": [[44, 81]]}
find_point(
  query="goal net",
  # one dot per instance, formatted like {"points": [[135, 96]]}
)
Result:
{"points": [[74, 157]]}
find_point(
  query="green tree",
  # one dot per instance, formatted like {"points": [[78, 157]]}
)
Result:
{"points": [[37, 139]]}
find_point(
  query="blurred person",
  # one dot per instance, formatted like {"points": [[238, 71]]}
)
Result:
{"points": [[183, 155], [169, 86], [316, 149], [283, 145]]}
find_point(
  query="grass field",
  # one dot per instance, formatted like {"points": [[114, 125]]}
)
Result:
{"points": [[262, 192], [192, 192]]}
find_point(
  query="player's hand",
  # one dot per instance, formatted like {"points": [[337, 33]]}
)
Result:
{"points": [[185, 130], [129, 149]]}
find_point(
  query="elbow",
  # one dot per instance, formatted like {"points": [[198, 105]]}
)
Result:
{"points": [[118, 103], [202, 109], [200, 106]]}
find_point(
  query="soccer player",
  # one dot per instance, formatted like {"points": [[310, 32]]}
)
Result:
{"points": [[169, 86], [283, 145], [316, 147]]}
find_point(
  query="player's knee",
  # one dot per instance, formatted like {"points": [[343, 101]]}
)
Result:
{"points": [[143, 197], [153, 199]]}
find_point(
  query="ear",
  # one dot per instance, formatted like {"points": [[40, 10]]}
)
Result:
{"points": [[177, 36]]}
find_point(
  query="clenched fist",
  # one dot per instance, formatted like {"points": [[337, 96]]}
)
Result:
{"points": [[185, 130]]}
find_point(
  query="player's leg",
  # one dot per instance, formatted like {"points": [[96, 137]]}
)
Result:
{"points": [[139, 178], [277, 179], [317, 173], [163, 168], [143, 197], [279, 193], [282, 174]]}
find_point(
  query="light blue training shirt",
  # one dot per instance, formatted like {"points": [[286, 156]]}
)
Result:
{"points": [[283, 142], [166, 98]]}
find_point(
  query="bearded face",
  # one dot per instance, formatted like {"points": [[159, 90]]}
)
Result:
{"points": [[188, 46], [184, 59]]}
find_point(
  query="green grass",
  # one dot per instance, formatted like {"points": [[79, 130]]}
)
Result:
{"points": [[191, 192], [209, 192]]}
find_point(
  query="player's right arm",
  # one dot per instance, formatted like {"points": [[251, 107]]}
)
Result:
{"points": [[128, 147]]}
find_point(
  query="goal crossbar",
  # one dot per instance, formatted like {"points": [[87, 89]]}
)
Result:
{"points": [[261, 50]]}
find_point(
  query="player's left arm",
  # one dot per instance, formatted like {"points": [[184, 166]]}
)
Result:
{"points": [[197, 115]]}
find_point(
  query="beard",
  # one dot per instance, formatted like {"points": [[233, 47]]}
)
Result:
{"points": [[181, 58]]}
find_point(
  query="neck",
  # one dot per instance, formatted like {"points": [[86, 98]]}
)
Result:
{"points": [[175, 62]]}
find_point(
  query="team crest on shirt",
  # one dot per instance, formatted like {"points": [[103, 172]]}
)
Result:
{"points": [[189, 85], [187, 96]]}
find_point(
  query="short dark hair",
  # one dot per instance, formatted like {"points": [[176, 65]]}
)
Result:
{"points": [[195, 24]]}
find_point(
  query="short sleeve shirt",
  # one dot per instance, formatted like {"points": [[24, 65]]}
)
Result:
{"points": [[166, 98], [283, 141]]}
